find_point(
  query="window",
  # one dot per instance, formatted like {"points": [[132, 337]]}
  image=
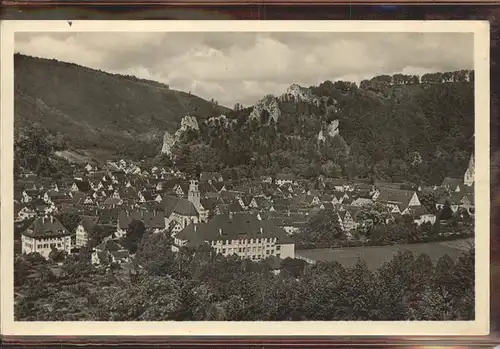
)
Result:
{"points": [[278, 255], [278, 247], [224, 251], [254, 249], [267, 252], [240, 249]]}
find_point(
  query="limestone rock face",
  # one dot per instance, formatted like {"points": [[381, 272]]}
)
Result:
{"points": [[329, 132], [268, 103], [221, 119], [168, 143], [300, 93], [297, 93], [187, 123]]}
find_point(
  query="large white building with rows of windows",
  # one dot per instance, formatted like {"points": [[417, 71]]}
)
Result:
{"points": [[244, 235], [45, 234]]}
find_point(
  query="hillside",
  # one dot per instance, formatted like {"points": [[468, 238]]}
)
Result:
{"points": [[401, 127], [420, 130], [94, 109]]}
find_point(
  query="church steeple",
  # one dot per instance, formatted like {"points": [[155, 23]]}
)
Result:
{"points": [[469, 173], [194, 193]]}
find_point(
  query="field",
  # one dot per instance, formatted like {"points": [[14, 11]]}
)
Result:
{"points": [[375, 256]]}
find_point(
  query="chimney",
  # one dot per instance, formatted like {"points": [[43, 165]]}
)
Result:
{"points": [[220, 231], [261, 230], [230, 216], [195, 226]]}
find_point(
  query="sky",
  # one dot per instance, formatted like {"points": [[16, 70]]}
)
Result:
{"points": [[234, 67]]}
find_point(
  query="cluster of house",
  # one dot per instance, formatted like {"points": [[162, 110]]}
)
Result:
{"points": [[250, 218]]}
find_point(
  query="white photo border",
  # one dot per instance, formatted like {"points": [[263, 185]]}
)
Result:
{"points": [[479, 326]]}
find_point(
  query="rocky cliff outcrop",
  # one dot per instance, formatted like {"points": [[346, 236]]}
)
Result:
{"points": [[329, 132], [221, 120], [168, 143], [270, 104], [300, 93], [187, 123], [297, 93]]}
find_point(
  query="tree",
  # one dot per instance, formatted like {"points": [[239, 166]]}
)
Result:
{"points": [[372, 216], [443, 280], [154, 253], [322, 228], [134, 234], [69, 220], [146, 299], [56, 255], [361, 298], [463, 291], [446, 212]]}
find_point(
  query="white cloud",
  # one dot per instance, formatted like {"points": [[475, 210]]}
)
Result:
{"points": [[242, 67]]}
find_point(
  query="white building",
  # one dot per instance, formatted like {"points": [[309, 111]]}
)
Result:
{"points": [[85, 227], [243, 235], [44, 234], [469, 173]]}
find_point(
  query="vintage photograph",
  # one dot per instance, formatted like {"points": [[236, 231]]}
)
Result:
{"points": [[244, 176]]}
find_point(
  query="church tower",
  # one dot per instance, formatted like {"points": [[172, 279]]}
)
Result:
{"points": [[194, 197], [194, 193], [469, 174]]}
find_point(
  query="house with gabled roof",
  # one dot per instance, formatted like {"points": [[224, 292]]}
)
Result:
{"points": [[82, 186], [455, 199], [110, 251], [362, 201], [266, 179], [247, 202], [308, 200], [346, 221], [54, 196], [153, 221], [467, 203], [129, 193], [111, 202], [45, 234], [84, 229], [338, 184], [181, 189], [421, 215], [396, 199], [284, 178], [453, 184], [180, 210], [25, 213], [108, 216], [219, 186]]}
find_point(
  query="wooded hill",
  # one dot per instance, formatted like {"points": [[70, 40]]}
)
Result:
{"points": [[89, 108], [400, 127]]}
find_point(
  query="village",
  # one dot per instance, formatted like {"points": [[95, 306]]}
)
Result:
{"points": [[253, 219]]}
